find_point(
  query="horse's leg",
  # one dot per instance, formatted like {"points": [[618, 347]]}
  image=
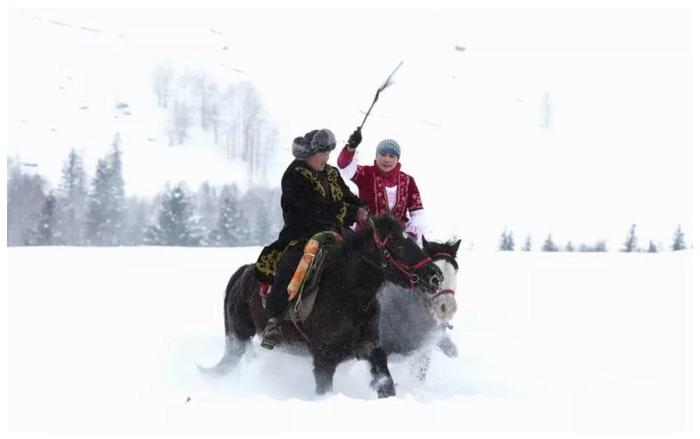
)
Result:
{"points": [[324, 369], [420, 363], [447, 346], [368, 347], [381, 378]]}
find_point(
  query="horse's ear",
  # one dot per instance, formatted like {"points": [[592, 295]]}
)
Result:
{"points": [[368, 225], [428, 247], [454, 247]]}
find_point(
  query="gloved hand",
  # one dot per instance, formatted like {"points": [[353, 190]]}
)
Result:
{"points": [[414, 232], [362, 215], [416, 225], [355, 138]]}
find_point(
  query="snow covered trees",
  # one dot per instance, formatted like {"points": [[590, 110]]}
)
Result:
{"points": [[211, 216], [47, 231], [72, 194], [175, 225], [248, 220], [507, 243], [652, 247], [25, 199], [105, 202], [549, 245], [678, 240], [630, 244], [232, 228]]}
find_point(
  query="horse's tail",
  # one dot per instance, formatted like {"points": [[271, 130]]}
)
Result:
{"points": [[229, 295], [235, 343]]}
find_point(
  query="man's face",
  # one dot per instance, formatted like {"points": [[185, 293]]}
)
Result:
{"points": [[318, 160]]}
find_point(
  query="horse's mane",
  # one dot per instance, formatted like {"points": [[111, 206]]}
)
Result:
{"points": [[384, 225]]}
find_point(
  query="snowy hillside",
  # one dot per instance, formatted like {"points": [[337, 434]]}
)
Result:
{"points": [[101, 82], [106, 340]]}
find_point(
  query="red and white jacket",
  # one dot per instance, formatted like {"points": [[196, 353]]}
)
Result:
{"points": [[393, 191]]}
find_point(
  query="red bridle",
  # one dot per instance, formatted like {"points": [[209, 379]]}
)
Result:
{"points": [[447, 290], [408, 270]]}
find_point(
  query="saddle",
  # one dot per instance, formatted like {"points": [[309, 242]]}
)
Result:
{"points": [[303, 288]]}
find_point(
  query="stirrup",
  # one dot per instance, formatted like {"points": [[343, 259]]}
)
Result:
{"points": [[272, 334]]}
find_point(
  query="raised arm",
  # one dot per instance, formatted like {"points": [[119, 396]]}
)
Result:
{"points": [[347, 160]]}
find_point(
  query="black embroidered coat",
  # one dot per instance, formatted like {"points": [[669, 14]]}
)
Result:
{"points": [[312, 202]]}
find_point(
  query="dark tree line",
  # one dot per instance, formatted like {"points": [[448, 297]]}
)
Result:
{"points": [[99, 214], [630, 244]]}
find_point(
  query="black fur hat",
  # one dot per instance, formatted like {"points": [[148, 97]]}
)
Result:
{"points": [[314, 141]]}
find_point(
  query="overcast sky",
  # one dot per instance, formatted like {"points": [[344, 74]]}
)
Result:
{"points": [[619, 83]]}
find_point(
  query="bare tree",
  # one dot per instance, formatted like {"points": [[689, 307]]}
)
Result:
{"points": [[162, 80], [179, 122]]}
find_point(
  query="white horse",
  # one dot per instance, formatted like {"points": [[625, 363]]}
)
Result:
{"points": [[412, 326]]}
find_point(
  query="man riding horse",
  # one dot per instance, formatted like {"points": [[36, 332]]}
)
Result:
{"points": [[314, 199]]}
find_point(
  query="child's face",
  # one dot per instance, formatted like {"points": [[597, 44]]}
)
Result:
{"points": [[387, 162]]}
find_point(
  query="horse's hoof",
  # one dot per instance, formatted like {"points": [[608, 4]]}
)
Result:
{"points": [[386, 392], [448, 347], [385, 386]]}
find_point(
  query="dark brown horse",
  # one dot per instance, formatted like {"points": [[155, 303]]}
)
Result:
{"points": [[344, 322]]}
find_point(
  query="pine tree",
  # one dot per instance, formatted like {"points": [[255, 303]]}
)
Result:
{"points": [[652, 247], [232, 227], [507, 243], [135, 221], [117, 208], [678, 240], [570, 247], [630, 244], [96, 221], [528, 244], [601, 246], [206, 206], [105, 202], [72, 195], [175, 223], [47, 231], [549, 245], [25, 199], [263, 229]]}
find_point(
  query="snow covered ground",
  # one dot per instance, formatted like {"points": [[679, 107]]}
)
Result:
{"points": [[106, 340]]}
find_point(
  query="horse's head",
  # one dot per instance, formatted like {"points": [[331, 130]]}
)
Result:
{"points": [[443, 305], [400, 258]]}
